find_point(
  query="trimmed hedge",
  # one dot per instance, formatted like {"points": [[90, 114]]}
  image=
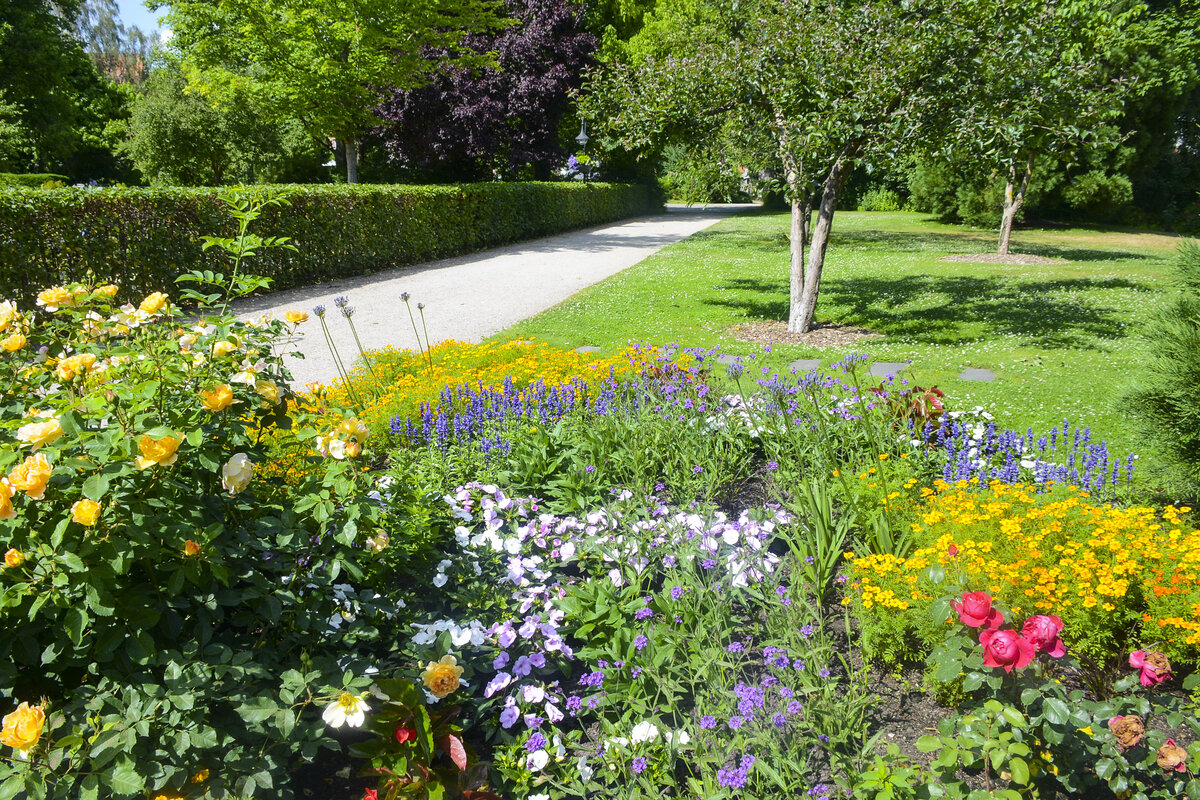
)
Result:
{"points": [[142, 239], [32, 180]]}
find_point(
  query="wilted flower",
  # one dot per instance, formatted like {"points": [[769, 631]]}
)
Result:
{"points": [[1172, 757], [1128, 730], [348, 709], [1153, 666]]}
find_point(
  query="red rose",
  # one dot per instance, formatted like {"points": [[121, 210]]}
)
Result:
{"points": [[976, 611], [1005, 649], [404, 734], [370, 794], [1042, 631]]}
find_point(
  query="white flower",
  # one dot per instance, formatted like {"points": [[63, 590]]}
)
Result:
{"points": [[236, 474], [348, 709], [537, 761], [440, 579], [678, 738], [644, 732], [585, 771], [539, 797]]}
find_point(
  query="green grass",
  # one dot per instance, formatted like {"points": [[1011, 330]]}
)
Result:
{"points": [[1062, 339]]}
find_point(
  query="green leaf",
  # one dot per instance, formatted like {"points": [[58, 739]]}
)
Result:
{"points": [[1106, 768], [74, 623], [96, 486], [947, 670], [1055, 711], [927, 744], [1019, 770], [122, 778], [1014, 717]]}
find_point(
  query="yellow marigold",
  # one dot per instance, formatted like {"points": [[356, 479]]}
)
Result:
{"points": [[161, 452], [13, 558], [296, 317], [13, 342], [40, 434], [23, 728], [31, 476], [443, 677], [218, 398], [154, 303], [54, 298], [85, 512]]}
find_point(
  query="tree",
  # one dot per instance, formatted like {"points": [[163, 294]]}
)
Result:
{"points": [[825, 82], [471, 124], [121, 54], [328, 63]]}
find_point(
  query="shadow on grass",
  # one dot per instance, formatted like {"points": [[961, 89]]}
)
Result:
{"points": [[955, 309], [970, 243]]}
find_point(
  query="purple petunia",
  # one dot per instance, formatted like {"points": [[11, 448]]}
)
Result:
{"points": [[641, 641], [639, 765], [708, 722]]}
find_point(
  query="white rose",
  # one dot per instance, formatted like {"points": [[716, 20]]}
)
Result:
{"points": [[236, 474]]}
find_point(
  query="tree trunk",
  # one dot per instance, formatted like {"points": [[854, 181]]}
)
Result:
{"points": [[798, 239], [1012, 204], [802, 312], [350, 146]]}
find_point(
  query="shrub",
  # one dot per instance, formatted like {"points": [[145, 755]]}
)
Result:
{"points": [[1165, 401], [877, 199], [167, 613], [143, 239], [1114, 575], [37, 180]]}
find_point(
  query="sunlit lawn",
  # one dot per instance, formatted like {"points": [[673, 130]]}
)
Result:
{"points": [[1061, 339]]}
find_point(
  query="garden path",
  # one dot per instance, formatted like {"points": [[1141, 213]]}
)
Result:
{"points": [[472, 296]]}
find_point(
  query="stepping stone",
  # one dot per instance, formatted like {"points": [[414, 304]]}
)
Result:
{"points": [[976, 374], [805, 365], [587, 348], [881, 368]]}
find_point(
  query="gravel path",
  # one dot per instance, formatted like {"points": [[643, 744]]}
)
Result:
{"points": [[472, 297]]}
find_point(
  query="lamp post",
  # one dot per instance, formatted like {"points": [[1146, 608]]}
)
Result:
{"points": [[582, 141]]}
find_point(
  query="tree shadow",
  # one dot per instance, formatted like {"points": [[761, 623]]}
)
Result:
{"points": [[953, 310], [968, 243]]}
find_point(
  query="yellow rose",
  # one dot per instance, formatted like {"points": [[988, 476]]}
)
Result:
{"points": [[190, 548], [31, 476], [13, 558], [223, 348], [154, 303], [160, 452], [294, 317], [108, 290], [268, 390], [23, 728], [8, 313], [6, 507], [85, 512], [72, 366], [443, 677], [236, 474], [218, 398], [40, 434], [13, 342], [353, 428], [55, 298]]}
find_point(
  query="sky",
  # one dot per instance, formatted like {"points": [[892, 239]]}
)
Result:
{"points": [[133, 12]]}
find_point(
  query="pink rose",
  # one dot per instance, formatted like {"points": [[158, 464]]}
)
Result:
{"points": [[1154, 666], [1005, 649], [1042, 631], [976, 611]]}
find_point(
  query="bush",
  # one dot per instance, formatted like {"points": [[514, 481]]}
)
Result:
{"points": [[143, 239], [32, 180], [1166, 400], [880, 200]]}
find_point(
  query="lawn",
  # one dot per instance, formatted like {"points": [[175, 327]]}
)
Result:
{"points": [[1061, 339]]}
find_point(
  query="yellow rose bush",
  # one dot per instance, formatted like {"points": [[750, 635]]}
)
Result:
{"points": [[161, 610], [1117, 577]]}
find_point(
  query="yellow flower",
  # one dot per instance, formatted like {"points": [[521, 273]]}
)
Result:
{"points": [[190, 548], [296, 317], [40, 434], [443, 677], [13, 342], [109, 290], [268, 390], [55, 298], [31, 476], [236, 474], [13, 558], [154, 303], [201, 776], [223, 348], [378, 543], [22, 728], [6, 507], [85, 512], [72, 366], [218, 398], [161, 452], [8, 313], [353, 428]]}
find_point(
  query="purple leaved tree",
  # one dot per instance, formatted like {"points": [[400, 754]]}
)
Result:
{"points": [[482, 124]]}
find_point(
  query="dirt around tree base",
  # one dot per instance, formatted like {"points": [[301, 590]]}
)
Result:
{"points": [[822, 334], [996, 258]]}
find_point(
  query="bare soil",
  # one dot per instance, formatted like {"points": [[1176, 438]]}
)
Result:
{"points": [[823, 334]]}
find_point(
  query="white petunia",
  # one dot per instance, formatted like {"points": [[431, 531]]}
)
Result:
{"points": [[644, 732], [537, 761], [348, 709]]}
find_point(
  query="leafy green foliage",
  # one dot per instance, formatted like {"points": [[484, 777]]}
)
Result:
{"points": [[143, 239]]}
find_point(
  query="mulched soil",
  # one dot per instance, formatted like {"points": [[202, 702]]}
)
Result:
{"points": [[996, 258], [821, 335]]}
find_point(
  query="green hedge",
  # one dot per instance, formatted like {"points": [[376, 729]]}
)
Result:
{"points": [[142, 239], [33, 180]]}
